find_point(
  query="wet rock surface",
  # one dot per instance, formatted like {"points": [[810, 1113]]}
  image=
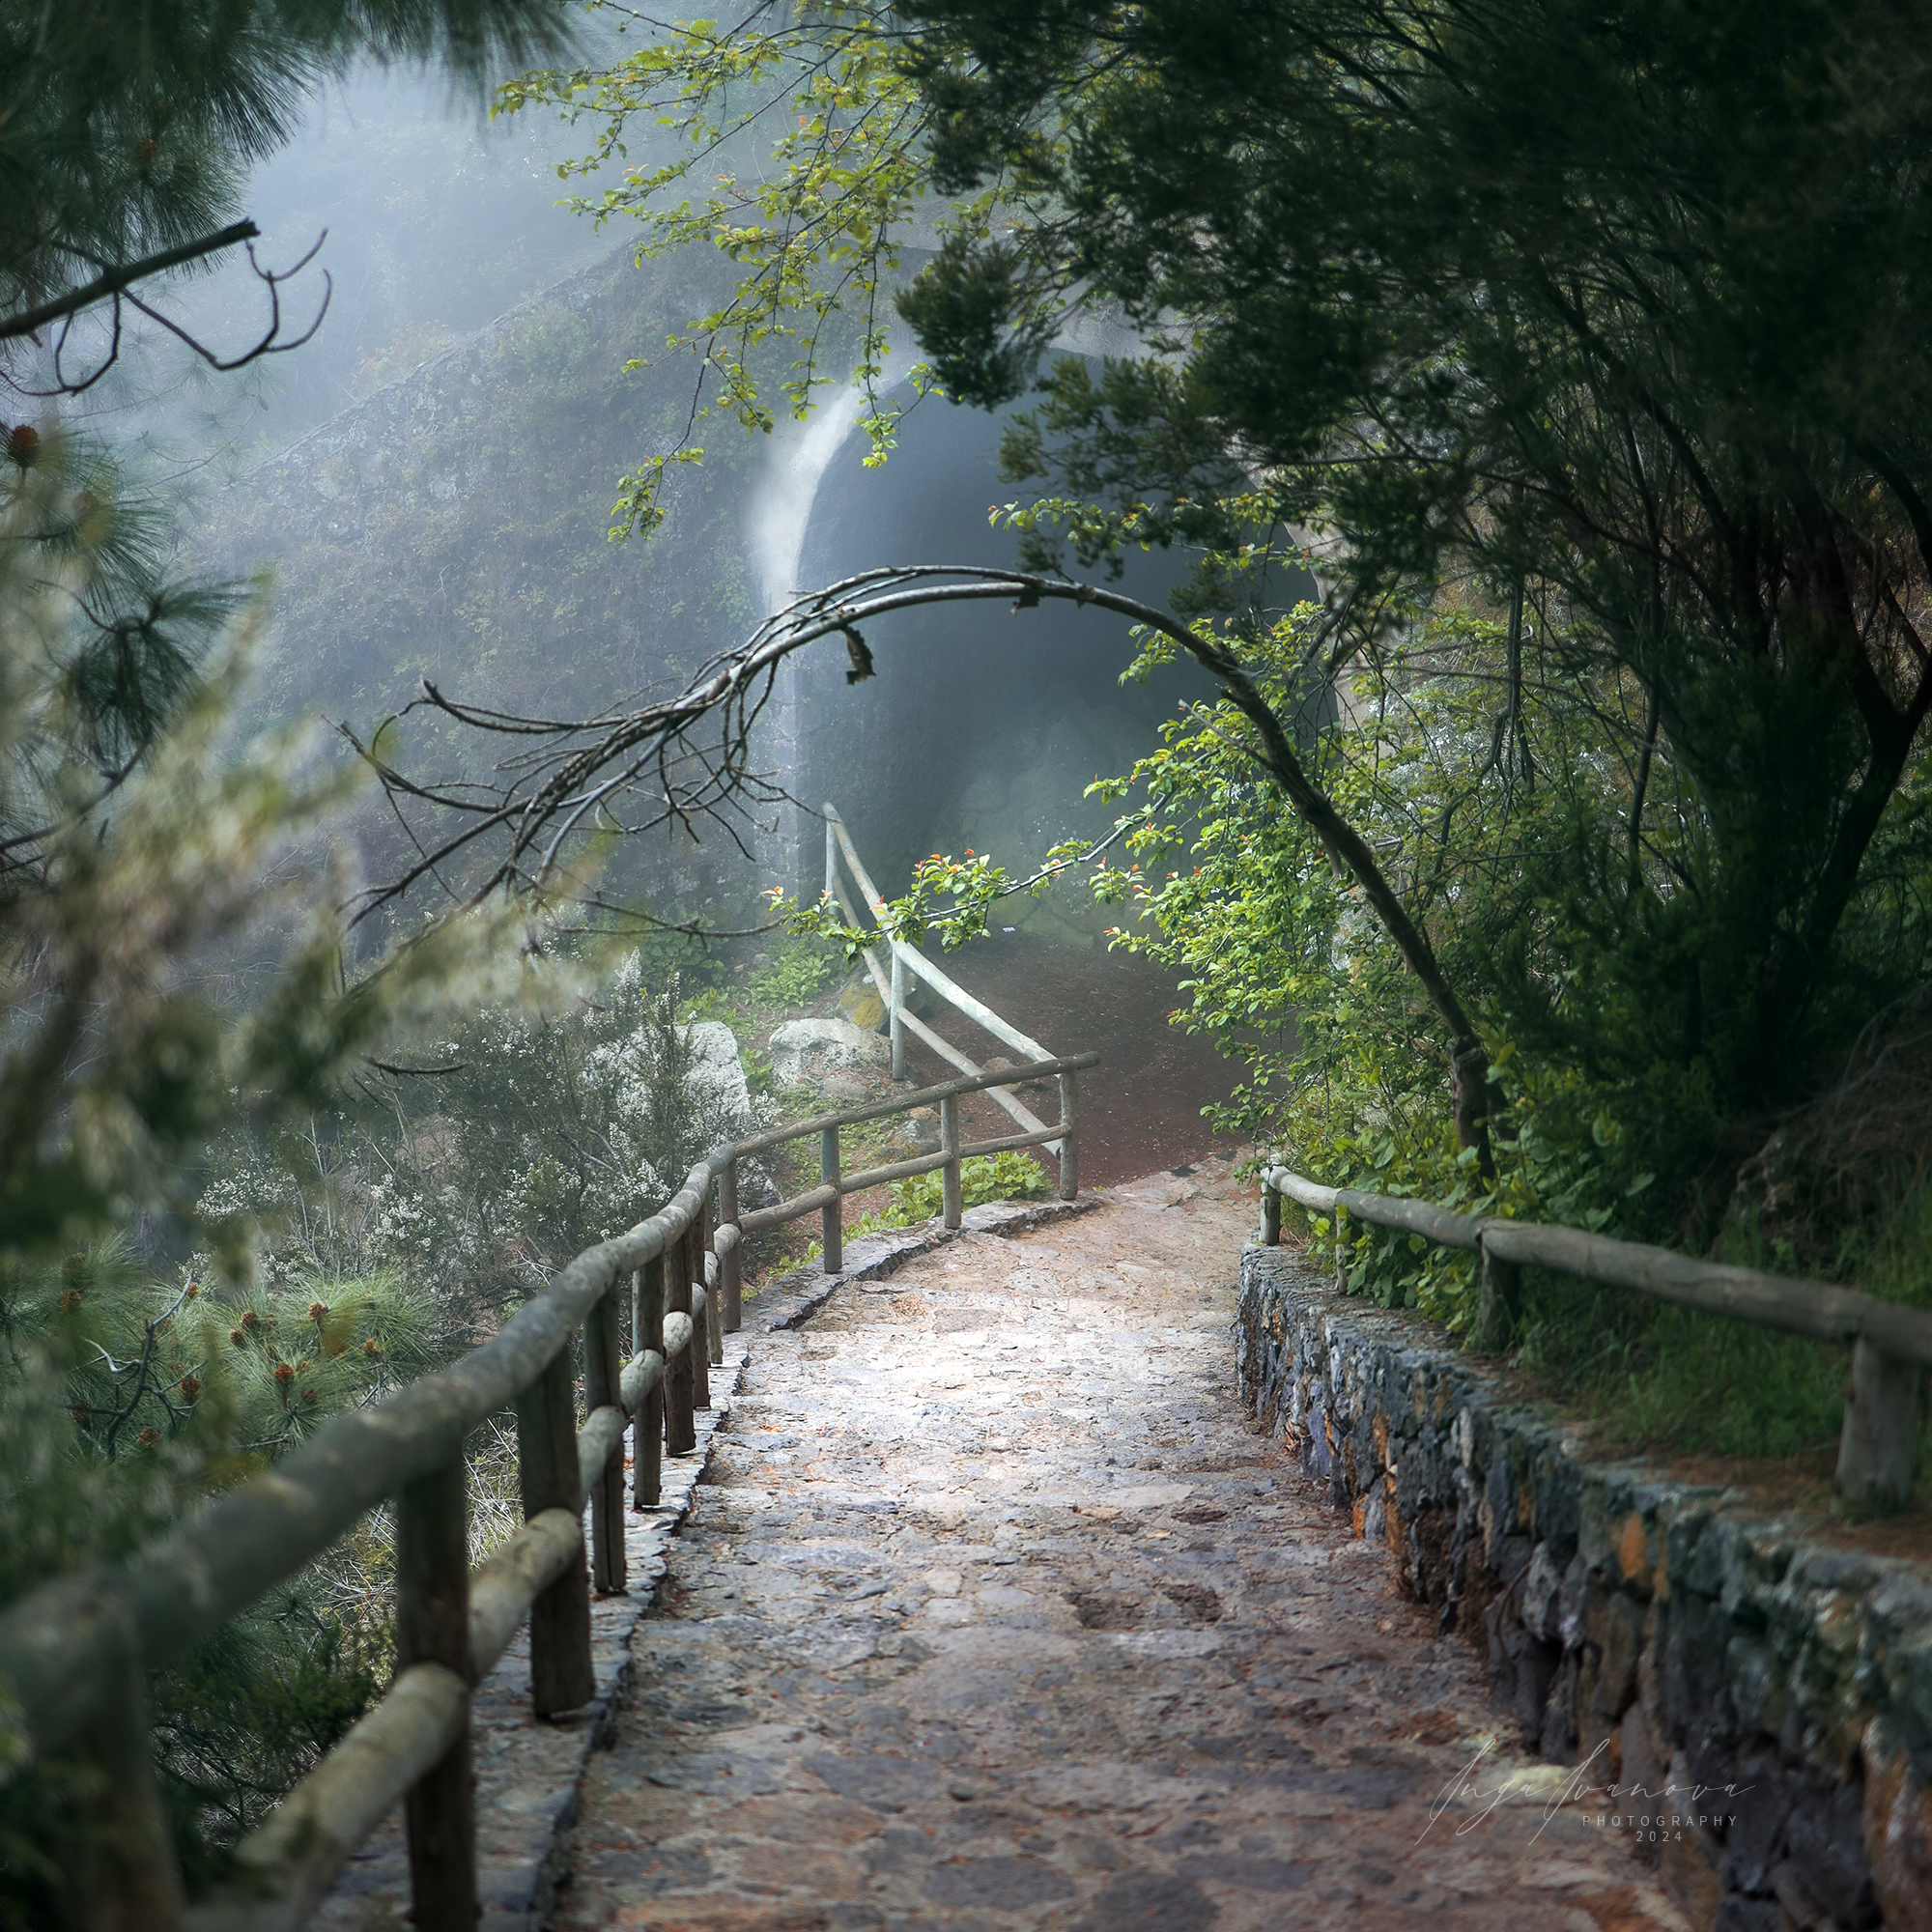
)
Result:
{"points": [[1767, 1677], [994, 1610], [813, 1050]]}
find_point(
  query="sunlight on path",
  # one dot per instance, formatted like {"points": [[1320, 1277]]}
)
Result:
{"points": [[996, 1611]]}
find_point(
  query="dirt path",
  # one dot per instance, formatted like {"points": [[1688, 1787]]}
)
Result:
{"points": [[996, 1611], [1140, 1109]]}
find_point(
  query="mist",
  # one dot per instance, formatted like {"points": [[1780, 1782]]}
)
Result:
{"points": [[428, 483]]}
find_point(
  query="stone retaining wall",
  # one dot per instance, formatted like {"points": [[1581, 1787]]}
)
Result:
{"points": [[1703, 1664]]}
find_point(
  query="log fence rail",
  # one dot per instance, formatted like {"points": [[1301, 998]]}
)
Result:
{"points": [[1892, 1345], [909, 963], [73, 1654]]}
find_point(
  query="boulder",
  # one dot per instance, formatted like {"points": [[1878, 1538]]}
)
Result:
{"points": [[998, 1063], [807, 1050], [716, 1067], [860, 1003]]}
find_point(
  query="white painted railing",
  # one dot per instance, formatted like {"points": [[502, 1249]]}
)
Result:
{"points": [[908, 959]]}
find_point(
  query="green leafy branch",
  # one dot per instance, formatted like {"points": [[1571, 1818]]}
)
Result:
{"points": [[969, 887], [795, 147]]}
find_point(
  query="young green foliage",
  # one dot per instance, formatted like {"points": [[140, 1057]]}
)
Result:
{"points": [[794, 142], [1606, 311], [950, 896]]}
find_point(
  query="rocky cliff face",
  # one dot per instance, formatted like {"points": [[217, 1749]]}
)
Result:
{"points": [[453, 524], [453, 527]]}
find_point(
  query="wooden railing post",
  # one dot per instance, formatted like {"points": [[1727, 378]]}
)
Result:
{"points": [[898, 1008], [433, 1627], [603, 1388], [1500, 1297], [714, 1289], [731, 1264], [832, 1216], [1881, 1431], [699, 1240], [1270, 1214], [647, 1431], [1069, 1138], [680, 1425], [561, 1677], [949, 1145], [130, 1885]]}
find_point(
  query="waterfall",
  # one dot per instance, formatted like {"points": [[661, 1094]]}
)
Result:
{"points": [[781, 498], [777, 518]]}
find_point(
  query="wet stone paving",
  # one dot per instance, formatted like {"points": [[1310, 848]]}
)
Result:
{"points": [[994, 1610]]}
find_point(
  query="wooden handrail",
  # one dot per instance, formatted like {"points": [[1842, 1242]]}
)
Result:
{"points": [[915, 961], [1892, 1345], [816, 1199], [923, 1096], [70, 1650], [290, 1864], [905, 957], [1799, 1307]]}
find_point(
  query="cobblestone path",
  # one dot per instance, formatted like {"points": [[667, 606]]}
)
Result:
{"points": [[995, 1610]]}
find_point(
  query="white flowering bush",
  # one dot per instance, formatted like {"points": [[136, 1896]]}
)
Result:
{"points": [[555, 1120], [569, 1126]]}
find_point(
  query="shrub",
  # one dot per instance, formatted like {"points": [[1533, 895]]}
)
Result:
{"points": [[1011, 1176], [126, 1401], [796, 972]]}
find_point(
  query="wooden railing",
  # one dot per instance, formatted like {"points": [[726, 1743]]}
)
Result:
{"points": [[74, 1653], [1891, 1346], [908, 960]]}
